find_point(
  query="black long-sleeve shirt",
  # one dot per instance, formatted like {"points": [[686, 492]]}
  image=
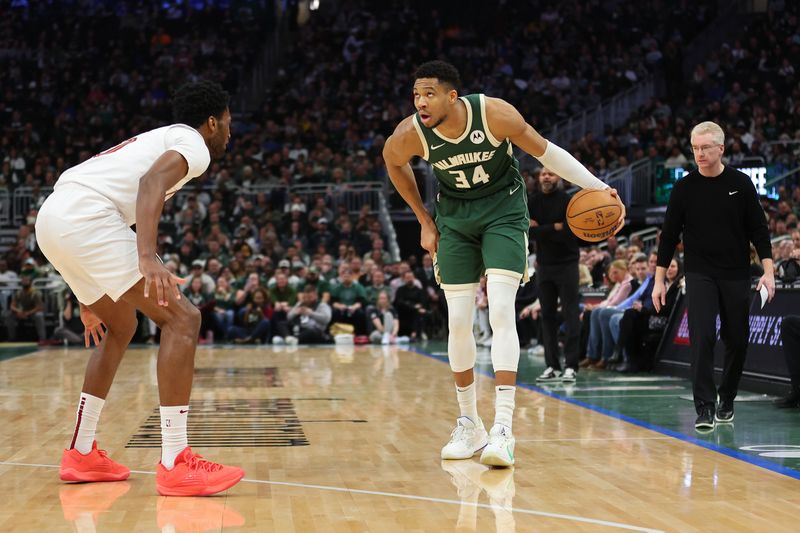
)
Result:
{"points": [[553, 247], [719, 218]]}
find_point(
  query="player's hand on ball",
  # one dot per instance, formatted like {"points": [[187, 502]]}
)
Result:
{"points": [[93, 327], [155, 273], [621, 221], [429, 237]]}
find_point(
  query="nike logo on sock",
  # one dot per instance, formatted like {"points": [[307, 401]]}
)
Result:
{"points": [[732, 193], [183, 411], [509, 388]]}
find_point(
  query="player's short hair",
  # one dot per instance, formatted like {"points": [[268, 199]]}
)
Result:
{"points": [[710, 127], [441, 70], [194, 102]]}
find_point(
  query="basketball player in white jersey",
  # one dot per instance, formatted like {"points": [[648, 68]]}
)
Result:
{"points": [[84, 231]]}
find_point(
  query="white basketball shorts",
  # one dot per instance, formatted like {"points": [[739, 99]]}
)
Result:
{"points": [[85, 238]]}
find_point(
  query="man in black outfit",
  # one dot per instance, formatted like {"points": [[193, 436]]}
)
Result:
{"points": [[557, 273], [717, 209]]}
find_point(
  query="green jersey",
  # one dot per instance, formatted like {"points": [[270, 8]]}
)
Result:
{"points": [[474, 165]]}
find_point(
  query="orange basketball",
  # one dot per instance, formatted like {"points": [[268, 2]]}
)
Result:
{"points": [[592, 214]]}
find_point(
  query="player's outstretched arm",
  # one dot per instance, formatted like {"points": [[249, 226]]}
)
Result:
{"points": [[400, 147], [506, 122], [165, 173]]}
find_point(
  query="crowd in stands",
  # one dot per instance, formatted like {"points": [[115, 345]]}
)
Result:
{"points": [[750, 86]]}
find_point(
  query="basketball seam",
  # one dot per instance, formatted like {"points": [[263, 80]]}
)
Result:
{"points": [[592, 209]]}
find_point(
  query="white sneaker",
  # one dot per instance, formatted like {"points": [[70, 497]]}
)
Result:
{"points": [[537, 350], [500, 449], [549, 375], [291, 340], [570, 376], [466, 439], [278, 341]]}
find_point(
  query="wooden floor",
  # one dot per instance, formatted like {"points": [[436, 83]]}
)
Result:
{"points": [[336, 439]]}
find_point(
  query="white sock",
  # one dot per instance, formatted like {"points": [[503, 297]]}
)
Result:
{"points": [[89, 408], [173, 433], [504, 404], [468, 402]]}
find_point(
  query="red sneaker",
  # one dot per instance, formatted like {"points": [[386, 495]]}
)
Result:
{"points": [[94, 466], [194, 476]]}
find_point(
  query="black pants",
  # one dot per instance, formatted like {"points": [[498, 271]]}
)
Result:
{"points": [[790, 335], [706, 298], [559, 282]]}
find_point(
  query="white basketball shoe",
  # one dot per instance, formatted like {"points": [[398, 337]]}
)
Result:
{"points": [[466, 440], [500, 449]]}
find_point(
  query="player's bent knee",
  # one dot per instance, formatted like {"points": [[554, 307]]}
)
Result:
{"points": [[184, 321]]}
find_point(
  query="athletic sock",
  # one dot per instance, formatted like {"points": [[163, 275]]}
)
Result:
{"points": [[467, 401], [504, 404], [89, 408], [173, 433]]}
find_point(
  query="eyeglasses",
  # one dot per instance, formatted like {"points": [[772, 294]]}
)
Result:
{"points": [[704, 148]]}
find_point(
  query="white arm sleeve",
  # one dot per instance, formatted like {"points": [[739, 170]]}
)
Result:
{"points": [[562, 163]]}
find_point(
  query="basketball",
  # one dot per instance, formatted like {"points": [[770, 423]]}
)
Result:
{"points": [[592, 214]]}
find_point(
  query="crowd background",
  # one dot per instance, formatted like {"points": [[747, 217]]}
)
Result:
{"points": [[80, 76]]}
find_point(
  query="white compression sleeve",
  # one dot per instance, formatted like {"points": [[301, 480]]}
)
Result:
{"points": [[562, 163], [502, 290], [461, 348]]}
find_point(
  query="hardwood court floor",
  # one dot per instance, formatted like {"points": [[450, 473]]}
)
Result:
{"points": [[336, 439]]}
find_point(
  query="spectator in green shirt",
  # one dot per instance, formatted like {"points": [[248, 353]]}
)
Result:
{"points": [[348, 298]]}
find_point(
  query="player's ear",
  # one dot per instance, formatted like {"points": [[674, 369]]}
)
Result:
{"points": [[212, 123]]}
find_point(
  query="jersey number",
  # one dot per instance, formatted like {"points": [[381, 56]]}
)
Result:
{"points": [[121, 145], [478, 176]]}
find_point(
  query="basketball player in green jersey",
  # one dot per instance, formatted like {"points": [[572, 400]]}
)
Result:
{"points": [[481, 225]]}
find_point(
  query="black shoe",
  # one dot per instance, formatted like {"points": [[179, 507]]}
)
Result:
{"points": [[792, 401], [724, 414], [616, 358], [705, 420]]}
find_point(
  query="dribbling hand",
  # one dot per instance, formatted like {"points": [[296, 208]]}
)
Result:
{"points": [[93, 327], [155, 272], [621, 221]]}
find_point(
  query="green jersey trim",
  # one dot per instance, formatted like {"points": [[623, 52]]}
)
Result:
{"points": [[418, 127], [467, 129], [492, 139]]}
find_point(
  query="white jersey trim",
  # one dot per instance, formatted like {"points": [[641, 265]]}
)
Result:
{"points": [[426, 150], [466, 130], [485, 120]]}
